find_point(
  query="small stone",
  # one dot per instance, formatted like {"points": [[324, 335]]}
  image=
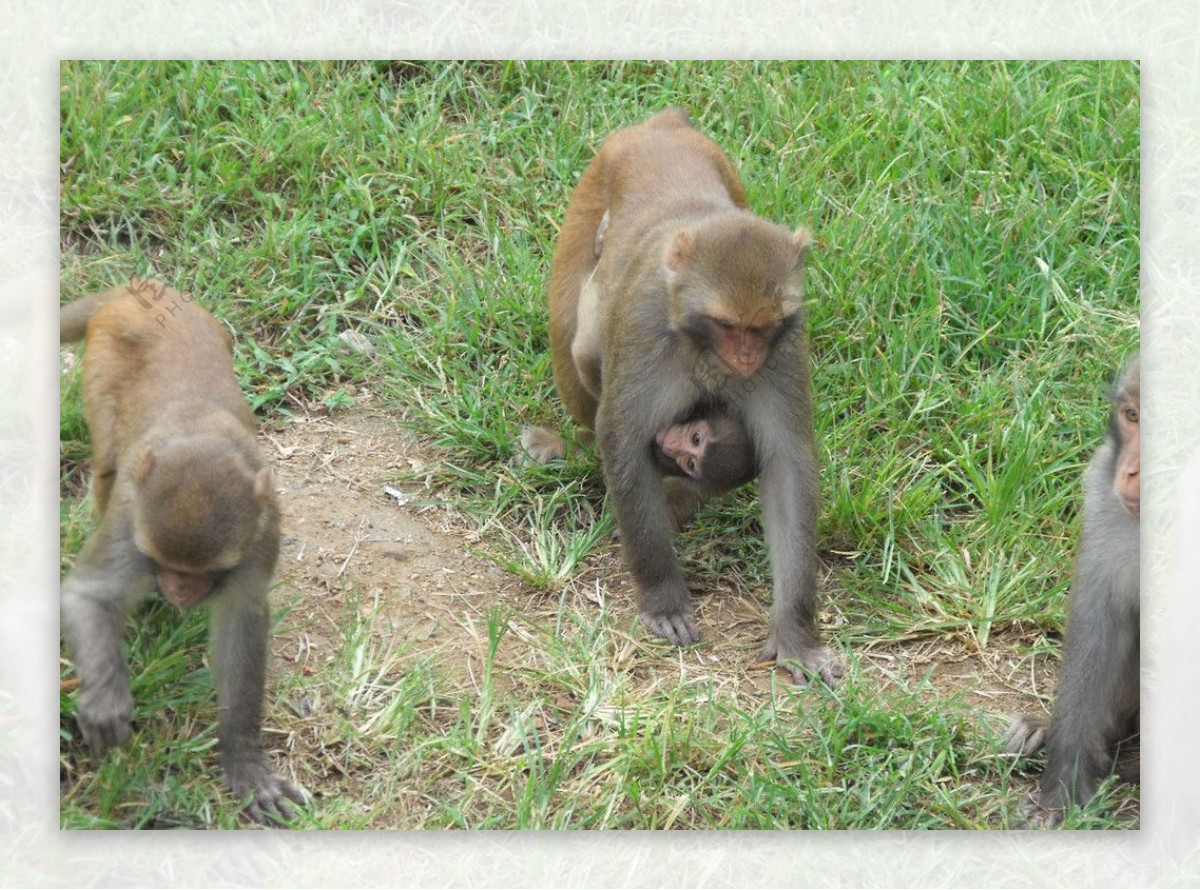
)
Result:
{"points": [[355, 341]]}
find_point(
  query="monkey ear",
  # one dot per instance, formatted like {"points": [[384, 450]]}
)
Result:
{"points": [[262, 486], [801, 240], [679, 251]]}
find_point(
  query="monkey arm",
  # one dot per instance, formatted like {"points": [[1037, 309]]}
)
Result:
{"points": [[639, 501], [108, 577], [789, 502], [241, 622], [789, 489], [1099, 682]]}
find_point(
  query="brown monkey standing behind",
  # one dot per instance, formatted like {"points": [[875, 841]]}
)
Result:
{"points": [[186, 504], [1099, 700], [667, 296]]}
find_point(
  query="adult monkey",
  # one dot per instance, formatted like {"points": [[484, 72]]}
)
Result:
{"points": [[1098, 702], [710, 450], [668, 297], [186, 505]]}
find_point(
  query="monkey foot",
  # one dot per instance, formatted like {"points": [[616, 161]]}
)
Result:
{"points": [[679, 628], [540, 445], [820, 662], [104, 718], [1031, 814], [270, 795], [102, 735]]}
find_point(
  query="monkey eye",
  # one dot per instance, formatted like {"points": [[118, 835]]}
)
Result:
{"points": [[1131, 414], [696, 439], [691, 465]]}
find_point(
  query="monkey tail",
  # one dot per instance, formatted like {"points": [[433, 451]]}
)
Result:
{"points": [[73, 318]]}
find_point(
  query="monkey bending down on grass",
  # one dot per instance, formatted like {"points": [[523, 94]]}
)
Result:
{"points": [[186, 504], [1099, 700]]}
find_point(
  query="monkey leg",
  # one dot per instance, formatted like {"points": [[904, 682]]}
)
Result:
{"points": [[644, 522], [683, 500], [665, 603]]}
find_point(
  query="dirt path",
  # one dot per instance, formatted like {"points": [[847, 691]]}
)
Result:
{"points": [[351, 536]]}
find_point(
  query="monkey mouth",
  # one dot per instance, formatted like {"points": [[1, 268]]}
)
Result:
{"points": [[742, 366], [1133, 506], [181, 590]]}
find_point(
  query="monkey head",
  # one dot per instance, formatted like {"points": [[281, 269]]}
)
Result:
{"points": [[735, 288], [196, 519], [714, 450]]}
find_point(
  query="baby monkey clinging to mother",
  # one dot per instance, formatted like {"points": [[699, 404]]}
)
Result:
{"points": [[671, 304]]}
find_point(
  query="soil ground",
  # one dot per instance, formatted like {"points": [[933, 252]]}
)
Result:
{"points": [[350, 532]]}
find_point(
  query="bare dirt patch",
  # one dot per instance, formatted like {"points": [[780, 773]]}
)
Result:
{"points": [[353, 538]]}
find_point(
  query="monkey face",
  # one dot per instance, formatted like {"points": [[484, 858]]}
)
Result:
{"points": [[1127, 482], [1125, 433], [685, 444]]}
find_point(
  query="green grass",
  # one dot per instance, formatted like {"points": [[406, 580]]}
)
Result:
{"points": [[973, 288]]}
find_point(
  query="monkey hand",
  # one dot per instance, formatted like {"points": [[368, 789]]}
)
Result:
{"points": [[270, 795], [678, 627], [105, 715], [804, 663], [1026, 734]]}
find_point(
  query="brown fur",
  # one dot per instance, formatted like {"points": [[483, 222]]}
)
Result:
{"points": [[670, 301], [186, 505]]}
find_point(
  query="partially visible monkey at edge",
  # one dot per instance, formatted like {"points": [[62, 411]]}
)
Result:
{"points": [[1098, 704], [186, 504], [668, 296]]}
